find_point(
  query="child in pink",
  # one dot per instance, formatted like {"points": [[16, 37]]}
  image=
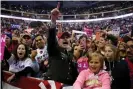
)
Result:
{"points": [[94, 77]]}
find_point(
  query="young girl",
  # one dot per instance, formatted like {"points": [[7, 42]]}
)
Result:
{"points": [[94, 77], [110, 57], [117, 69]]}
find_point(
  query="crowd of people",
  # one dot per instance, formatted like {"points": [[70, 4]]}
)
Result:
{"points": [[51, 52], [99, 10], [124, 24]]}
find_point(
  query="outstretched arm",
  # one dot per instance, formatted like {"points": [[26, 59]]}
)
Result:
{"points": [[52, 41]]}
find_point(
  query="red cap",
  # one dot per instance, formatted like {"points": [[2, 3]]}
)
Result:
{"points": [[63, 35]]}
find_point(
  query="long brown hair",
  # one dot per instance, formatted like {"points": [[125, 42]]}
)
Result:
{"points": [[118, 51], [26, 53]]}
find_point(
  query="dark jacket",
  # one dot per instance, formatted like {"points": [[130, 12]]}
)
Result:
{"points": [[120, 74], [61, 67]]}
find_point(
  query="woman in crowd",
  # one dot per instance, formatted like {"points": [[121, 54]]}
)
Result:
{"points": [[8, 42], [20, 64], [101, 45], [93, 48], [94, 77], [117, 69], [83, 44], [121, 53]]}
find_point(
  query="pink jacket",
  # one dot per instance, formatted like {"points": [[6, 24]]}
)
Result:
{"points": [[87, 80]]}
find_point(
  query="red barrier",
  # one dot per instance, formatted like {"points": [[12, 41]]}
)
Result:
{"points": [[30, 82]]}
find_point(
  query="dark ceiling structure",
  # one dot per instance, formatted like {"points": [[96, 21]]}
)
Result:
{"points": [[63, 4]]}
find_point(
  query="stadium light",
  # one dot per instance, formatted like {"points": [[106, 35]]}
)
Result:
{"points": [[86, 20]]}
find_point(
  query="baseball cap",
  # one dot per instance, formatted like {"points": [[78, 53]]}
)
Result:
{"points": [[63, 35]]}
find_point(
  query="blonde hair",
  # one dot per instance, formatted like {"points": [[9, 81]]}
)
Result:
{"points": [[114, 49], [99, 56]]}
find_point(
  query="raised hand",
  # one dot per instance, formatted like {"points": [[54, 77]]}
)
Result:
{"points": [[33, 54], [55, 13]]}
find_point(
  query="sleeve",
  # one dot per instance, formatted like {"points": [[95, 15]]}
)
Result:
{"points": [[7, 54], [24, 72], [28, 63], [80, 80], [106, 82], [35, 66], [121, 76], [11, 59], [52, 43]]}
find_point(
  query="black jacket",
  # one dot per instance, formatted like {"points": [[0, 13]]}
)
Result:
{"points": [[120, 74], [61, 68]]}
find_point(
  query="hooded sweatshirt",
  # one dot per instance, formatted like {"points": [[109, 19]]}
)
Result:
{"points": [[88, 80]]}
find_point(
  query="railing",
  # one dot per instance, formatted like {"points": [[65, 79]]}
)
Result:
{"points": [[31, 83], [63, 17]]}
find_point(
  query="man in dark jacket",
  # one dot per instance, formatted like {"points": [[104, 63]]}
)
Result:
{"points": [[129, 59], [123, 72], [61, 67]]}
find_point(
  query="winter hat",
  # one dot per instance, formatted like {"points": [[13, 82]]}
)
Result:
{"points": [[9, 35]]}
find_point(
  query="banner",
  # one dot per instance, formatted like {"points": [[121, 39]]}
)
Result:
{"points": [[31, 83], [78, 33], [2, 46], [15, 26], [115, 32], [88, 31]]}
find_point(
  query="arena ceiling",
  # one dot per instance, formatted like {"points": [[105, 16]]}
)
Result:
{"points": [[64, 4]]}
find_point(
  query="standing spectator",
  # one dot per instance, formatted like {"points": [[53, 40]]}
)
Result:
{"points": [[61, 68], [129, 59], [27, 40], [101, 45], [117, 69], [121, 53], [20, 64], [8, 42], [40, 55], [94, 77]]}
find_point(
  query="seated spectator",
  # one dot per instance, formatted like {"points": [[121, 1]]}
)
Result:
{"points": [[94, 77]]}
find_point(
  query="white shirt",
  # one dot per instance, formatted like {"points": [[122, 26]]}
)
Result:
{"points": [[20, 64], [42, 55]]}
